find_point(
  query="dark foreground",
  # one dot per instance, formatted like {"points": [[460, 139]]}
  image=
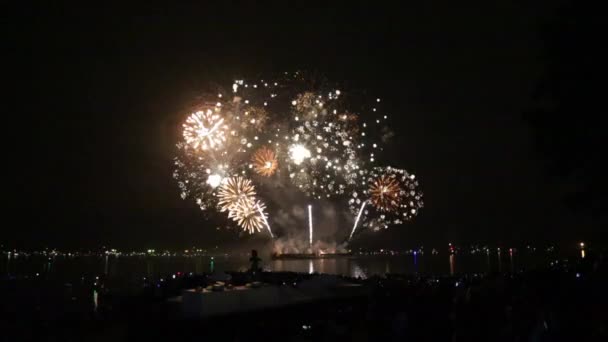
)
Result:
{"points": [[567, 301]]}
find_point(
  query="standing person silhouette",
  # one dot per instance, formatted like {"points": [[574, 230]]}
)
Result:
{"points": [[255, 262]]}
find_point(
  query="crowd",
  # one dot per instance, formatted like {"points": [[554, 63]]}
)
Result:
{"points": [[565, 301]]}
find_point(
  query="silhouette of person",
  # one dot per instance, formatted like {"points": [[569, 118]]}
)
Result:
{"points": [[255, 261]]}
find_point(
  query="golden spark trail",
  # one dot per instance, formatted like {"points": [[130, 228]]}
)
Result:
{"points": [[265, 221], [357, 220], [310, 224]]}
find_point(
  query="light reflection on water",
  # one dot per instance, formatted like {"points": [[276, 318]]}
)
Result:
{"points": [[499, 262], [95, 301], [452, 266], [354, 266]]}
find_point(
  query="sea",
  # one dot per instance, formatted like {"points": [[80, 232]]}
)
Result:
{"points": [[361, 266]]}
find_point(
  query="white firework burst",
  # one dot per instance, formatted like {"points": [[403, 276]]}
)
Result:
{"points": [[205, 130]]}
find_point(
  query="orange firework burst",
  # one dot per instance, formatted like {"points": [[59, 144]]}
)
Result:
{"points": [[384, 193], [264, 161]]}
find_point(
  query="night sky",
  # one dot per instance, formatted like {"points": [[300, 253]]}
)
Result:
{"points": [[96, 97]]}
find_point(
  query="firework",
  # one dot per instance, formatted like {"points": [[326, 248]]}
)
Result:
{"points": [[214, 180], [194, 179], [310, 225], [253, 118], [385, 193], [265, 221], [248, 213], [233, 190], [322, 160], [218, 138], [325, 145], [264, 161], [205, 130], [298, 153], [394, 194], [357, 220], [305, 101]]}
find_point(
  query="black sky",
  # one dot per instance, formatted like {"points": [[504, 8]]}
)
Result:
{"points": [[96, 96]]}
